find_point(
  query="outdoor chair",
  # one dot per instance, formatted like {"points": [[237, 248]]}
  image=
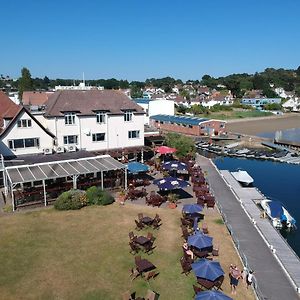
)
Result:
{"points": [[210, 204], [197, 289], [139, 225], [204, 228], [186, 268], [219, 282], [151, 295], [215, 251], [155, 225], [140, 216], [127, 296], [187, 257], [185, 233], [132, 237], [134, 274], [148, 247], [157, 218], [150, 237], [137, 258], [134, 248], [150, 275]]}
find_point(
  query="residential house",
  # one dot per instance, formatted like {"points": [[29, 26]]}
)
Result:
{"points": [[188, 125], [258, 103], [35, 100], [21, 133]]}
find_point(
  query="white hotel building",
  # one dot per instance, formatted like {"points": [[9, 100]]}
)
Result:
{"points": [[92, 120]]}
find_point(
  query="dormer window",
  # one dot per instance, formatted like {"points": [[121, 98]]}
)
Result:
{"points": [[25, 123], [128, 116], [101, 117], [70, 118]]}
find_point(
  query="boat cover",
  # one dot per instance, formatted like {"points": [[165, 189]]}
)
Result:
{"points": [[276, 209]]}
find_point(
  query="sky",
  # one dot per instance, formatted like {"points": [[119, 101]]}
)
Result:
{"points": [[139, 39]]}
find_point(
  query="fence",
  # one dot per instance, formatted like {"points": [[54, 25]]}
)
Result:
{"points": [[247, 267]]}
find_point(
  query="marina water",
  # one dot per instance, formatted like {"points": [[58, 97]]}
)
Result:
{"points": [[277, 181]]}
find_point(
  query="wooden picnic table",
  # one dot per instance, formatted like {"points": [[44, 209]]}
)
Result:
{"points": [[207, 284], [147, 220], [142, 240], [144, 265]]}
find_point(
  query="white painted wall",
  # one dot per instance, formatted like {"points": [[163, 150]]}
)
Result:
{"points": [[35, 131], [161, 107], [115, 129]]}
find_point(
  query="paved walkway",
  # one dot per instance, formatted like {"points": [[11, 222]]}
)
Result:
{"points": [[271, 278]]}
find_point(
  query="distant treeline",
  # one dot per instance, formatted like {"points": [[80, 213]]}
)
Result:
{"points": [[237, 83]]}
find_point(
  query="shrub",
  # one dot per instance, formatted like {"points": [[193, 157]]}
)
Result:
{"points": [[71, 200], [97, 196]]}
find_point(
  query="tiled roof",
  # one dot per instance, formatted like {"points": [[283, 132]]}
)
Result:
{"points": [[87, 102], [8, 109], [179, 119], [35, 98]]}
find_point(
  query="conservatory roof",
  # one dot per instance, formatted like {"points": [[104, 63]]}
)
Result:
{"points": [[63, 168]]}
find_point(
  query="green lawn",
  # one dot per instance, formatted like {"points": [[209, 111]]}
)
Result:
{"points": [[226, 115], [85, 254]]}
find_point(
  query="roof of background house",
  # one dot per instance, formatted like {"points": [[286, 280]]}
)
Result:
{"points": [[179, 119], [8, 109], [88, 102], [35, 97], [142, 100]]}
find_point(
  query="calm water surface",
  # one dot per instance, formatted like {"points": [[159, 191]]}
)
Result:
{"points": [[277, 181], [292, 134]]}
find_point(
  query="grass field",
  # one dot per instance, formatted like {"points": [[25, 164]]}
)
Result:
{"points": [[85, 254], [237, 114]]}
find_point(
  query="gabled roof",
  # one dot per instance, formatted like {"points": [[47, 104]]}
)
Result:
{"points": [[15, 119], [35, 98], [8, 109], [88, 102]]}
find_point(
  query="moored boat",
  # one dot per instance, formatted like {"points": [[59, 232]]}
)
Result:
{"points": [[242, 177], [278, 214]]}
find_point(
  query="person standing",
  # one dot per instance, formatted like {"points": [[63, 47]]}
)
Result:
{"points": [[234, 275], [249, 278]]}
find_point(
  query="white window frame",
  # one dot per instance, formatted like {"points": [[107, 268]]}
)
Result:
{"points": [[128, 116], [36, 142], [70, 118], [130, 134], [24, 123], [101, 117], [94, 135], [68, 137]]}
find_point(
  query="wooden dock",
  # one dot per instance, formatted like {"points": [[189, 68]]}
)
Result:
{"points": [[286, 257]]}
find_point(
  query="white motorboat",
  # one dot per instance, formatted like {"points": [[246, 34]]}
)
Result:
{"points": [[242, 177], [278, 214]]}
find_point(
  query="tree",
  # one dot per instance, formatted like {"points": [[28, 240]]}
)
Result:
{"points": [[184, 145], [298, 71], [136, 92], [25, 82], [269, 93]]}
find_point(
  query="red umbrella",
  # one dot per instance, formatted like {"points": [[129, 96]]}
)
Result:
{"points": [[165, 150]]}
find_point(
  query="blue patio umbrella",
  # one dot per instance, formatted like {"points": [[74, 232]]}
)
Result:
{"points": [[207, 269], [170, 183], [136, 167], [174, 165], [192, 208], [212, 295], [200, 241]]}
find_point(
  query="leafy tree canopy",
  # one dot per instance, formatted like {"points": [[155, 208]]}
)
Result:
{"points": [[184, 145]]}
